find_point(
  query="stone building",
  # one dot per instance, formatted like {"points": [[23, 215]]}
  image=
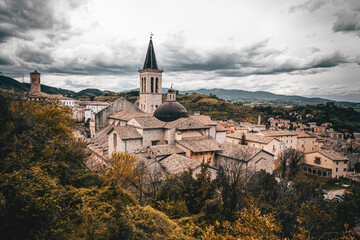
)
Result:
{"points": [[269, 144], [326, 163], [307, 142], [245, 158], [35, 85]]}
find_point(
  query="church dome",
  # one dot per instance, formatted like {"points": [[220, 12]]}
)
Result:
{"points": [[170, 111], [171, 90]]}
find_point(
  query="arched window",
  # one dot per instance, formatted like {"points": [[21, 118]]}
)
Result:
{"points": [[115, 141], [157, 85], [144, 82], [152, 84], [142, 85]]}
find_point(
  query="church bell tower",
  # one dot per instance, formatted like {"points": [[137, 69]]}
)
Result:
{"points": [[150, 82]]}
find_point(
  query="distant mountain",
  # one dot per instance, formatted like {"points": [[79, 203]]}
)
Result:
{"points": [[227, 94], [262, 97], [90, 92]]}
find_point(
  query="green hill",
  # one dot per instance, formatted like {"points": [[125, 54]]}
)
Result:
{"points": [[12, 84]]}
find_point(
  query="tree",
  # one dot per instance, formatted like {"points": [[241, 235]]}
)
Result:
{"points": [[249, 224], [232, 178], [122, 170], [201, 189], [243, 140], [357, 167], [289, 162]]}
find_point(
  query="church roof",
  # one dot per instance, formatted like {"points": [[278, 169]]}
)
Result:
{"points": [[127, 116], [150, 60], [149, 122]]}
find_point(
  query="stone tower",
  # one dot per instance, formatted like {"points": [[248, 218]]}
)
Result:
{"points": [[150, 82], [35, 82]]}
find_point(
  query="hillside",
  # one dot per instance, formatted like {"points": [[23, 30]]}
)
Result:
{"points": [[258, 96], [12, 84], [226, 94]]}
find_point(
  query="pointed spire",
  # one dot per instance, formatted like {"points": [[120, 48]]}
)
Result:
{"points": [[150, 60]]}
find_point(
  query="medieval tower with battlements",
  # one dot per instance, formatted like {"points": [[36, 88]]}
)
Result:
{"points": [[35, 82]]}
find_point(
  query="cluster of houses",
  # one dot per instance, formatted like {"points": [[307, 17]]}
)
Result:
{"points": [[167, 140]]}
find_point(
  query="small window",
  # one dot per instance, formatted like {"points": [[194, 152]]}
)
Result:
{"points": [[115, 141], [273, 147], [317, 160], [337, 162], [336, 170], [344, 169]]}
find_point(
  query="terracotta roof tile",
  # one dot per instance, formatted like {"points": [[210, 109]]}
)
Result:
{"points": [[238, 151], [333, 155], [200, 144], [176, 164], [127, 132], [162, 150], [127, 116]]}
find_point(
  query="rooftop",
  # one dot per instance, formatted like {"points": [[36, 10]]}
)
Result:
{"points": [[206, 120], [252, 137], [333, 155], [127, 132], [238, 151], [278, 133], [127, 116], [200, 144], [149, 122], [162, 150], [176, 164]]}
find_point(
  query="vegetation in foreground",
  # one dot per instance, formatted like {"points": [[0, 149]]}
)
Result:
{"points": [[47, 193]]}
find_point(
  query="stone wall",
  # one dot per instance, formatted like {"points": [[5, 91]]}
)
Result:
{"points": [[101, 118]]}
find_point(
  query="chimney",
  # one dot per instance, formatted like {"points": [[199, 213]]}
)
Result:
{"points": [[259, 120]]}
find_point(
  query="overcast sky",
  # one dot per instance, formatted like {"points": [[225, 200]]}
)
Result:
{"points": [[293, 47]]}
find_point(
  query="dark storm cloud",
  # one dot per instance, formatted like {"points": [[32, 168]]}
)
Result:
{"points": [[4, 61], [348, 21], [38, 56], [256, 59], [180, 58], [19, 17], [347, 15]]}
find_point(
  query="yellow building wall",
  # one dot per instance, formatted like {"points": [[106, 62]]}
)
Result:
{"points": [[326, 162]]}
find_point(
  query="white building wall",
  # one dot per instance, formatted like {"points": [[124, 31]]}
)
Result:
{"points": [[150, 135], [212, 131], [220, 137]]}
